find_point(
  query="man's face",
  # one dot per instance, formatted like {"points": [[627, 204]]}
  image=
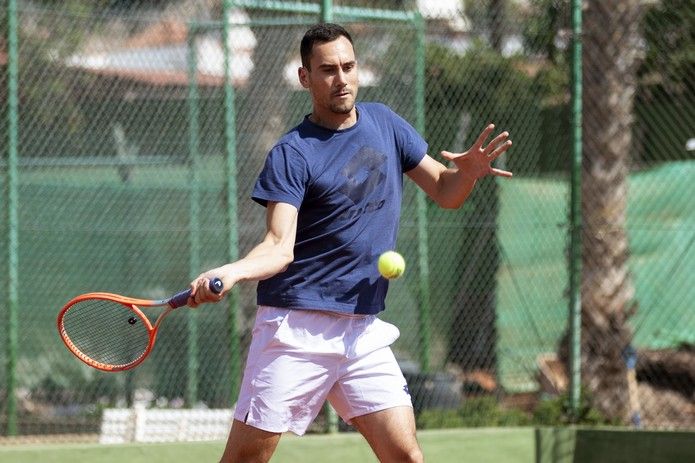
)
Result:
{"points": [[332, 76]]}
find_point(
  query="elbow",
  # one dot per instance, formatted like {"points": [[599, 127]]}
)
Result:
{"points": [[286, 259]]}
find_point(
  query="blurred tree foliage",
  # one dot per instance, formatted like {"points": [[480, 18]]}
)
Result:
{"points": [[665, 101], [670, 25]]}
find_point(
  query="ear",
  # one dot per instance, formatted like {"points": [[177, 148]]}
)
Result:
{"points": [[303, 74]]}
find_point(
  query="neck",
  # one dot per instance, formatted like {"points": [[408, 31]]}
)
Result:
{"points": [[334, 121]]}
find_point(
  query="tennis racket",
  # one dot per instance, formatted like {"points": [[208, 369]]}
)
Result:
{"points": [[110, 332]]}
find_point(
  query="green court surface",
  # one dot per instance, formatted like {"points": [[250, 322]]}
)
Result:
{"points": [[498, 445]]}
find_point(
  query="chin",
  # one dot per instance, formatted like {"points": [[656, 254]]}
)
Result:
{"points": [[343, 108]]}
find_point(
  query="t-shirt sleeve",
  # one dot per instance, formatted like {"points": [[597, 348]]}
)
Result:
{"points": [[283, 178], [412, 146]]}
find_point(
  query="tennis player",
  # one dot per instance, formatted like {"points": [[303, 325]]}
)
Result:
{"points": [[332, 189]]}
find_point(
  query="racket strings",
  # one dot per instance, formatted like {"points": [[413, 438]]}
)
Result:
{"points": [[106, 331]]}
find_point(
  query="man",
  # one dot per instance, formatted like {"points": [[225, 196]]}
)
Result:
{"points": [[332, 188]]}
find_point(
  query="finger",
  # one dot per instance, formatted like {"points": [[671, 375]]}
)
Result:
{"points": [[500, 149], [205, 293], [198, 291], [501, 173], [483, 136], [193, 300], [194, 288], [449, 155], [497, 141]]}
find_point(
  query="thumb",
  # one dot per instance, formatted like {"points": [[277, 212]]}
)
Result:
{"points": [[448, 155]]}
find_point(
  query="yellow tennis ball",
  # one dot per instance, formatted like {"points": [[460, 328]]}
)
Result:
{"points": [[391, 265]]}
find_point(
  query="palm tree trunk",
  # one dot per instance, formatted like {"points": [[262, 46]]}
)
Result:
{"points": [[607, 293]]}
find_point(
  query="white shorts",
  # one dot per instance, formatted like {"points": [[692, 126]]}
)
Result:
{"points": [[298, 359]]}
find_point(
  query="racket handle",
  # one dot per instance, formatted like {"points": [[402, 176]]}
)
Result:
{"points": [[180, 299]]}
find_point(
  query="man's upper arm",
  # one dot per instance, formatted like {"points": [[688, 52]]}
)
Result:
{"points": [[281, 223]]}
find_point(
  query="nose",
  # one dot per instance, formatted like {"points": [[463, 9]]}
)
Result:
{"points": [[340, 77]]}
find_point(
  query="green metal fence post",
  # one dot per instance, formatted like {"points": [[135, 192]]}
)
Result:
{"points": [[575, 252], [194, 215], [423, 234], [326, 11], [12, 218], [231, 197]]}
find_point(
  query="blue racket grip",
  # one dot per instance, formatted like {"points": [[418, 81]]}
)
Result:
{"points": [[180, 299]]}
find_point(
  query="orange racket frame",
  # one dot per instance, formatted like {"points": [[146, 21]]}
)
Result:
{"points": [[132, 304]]}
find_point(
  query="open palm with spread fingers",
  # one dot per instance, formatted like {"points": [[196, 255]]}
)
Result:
{"points": [[477, 161]]}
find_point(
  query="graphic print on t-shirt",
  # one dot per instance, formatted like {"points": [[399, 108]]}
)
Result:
{"points": [[363, 174]]}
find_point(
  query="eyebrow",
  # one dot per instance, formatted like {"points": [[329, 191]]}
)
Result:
{"points": [[329, 66]]}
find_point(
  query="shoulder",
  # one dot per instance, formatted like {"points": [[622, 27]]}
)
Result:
{"points": [[290, 138], [382, 116], [374, 108], [289, 153], [290, 157], [290, 144]]}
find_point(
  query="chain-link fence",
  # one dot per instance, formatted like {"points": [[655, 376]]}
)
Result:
{"points": [[137, 129]]}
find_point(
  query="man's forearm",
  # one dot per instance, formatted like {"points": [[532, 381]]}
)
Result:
{"points": [[263, 261], [454, 187]]}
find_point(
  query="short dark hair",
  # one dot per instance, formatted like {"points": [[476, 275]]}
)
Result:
{"points": [[320, 33]]}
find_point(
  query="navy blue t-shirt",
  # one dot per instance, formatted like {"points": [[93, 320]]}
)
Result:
{"points": [[347, 186]]}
